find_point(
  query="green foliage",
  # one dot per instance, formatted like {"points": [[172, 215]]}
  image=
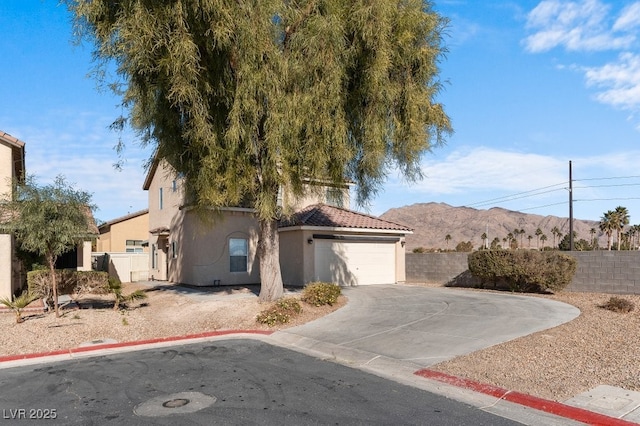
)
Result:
{"points": [[48, 220], [418, 250], [115, 288], [319, 293], [523, 270], [464, 246], [248, 98], [19, 303], [618, 304], [280, 312]]}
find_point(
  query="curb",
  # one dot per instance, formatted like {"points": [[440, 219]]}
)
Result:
{"points": [[540, 404], [85, 349]]}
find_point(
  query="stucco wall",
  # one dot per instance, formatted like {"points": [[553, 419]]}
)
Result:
{"points": [[598, 271], [115, 239], [202, 256]]}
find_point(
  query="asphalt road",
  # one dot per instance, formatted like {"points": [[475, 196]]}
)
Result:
{"points": [[219, 382]]}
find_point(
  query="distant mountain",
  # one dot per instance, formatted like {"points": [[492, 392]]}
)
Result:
{"points": [[431, 222]]}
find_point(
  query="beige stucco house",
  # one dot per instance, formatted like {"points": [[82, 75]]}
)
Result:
{"points": [[322, 241], [11, 166], [126, 234]]}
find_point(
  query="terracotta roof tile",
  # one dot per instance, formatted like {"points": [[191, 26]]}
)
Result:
{"points": [[323, 215]]}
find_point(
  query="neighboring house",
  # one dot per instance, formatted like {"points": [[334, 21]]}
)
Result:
{"points": [[12, 273], [122, 247], [11, 166], [126, 234], [322, 241]]}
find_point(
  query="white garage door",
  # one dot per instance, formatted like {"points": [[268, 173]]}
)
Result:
{"points": [[355, 263]]}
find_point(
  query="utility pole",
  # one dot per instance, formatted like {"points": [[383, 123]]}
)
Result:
{"points": [[570, 208]]}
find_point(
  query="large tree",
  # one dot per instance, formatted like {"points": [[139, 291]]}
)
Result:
{"points": [[244, 98], [48, 220]]}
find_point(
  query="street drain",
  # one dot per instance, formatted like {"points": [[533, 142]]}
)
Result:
{"points": [[177, 403]]}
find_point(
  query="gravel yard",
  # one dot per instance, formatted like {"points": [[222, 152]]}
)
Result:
{"points": [[598, 347]]}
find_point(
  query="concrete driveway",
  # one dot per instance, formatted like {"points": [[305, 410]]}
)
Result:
{"points": [[422, 326]]}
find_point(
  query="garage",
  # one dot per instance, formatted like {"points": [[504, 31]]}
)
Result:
{"points": [[333, 244], [351, 262]]}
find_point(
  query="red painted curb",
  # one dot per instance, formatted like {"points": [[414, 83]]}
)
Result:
{"points": [[552, 407], [129, 344]]}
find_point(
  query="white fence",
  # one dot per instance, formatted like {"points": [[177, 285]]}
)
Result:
{"points": [[127, 267]]}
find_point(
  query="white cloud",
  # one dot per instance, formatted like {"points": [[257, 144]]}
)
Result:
{"points": [[483, 177], [578, 26], [487, 169], [619, 82], [629, 18]]}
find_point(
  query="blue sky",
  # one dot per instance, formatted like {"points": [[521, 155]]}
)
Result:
{"points": [[529, 86]]}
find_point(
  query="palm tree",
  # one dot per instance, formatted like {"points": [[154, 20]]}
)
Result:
{"points": [[592, 232], [543, 238], [607, 226], [538, 233], [447, 238], [529, 238], [510, 239], [621, 220], [484, 240], [556, 232], [521, 232], [19, 303]]}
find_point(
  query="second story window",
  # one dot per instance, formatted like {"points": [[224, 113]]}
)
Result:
{"points": [[160, 200]]}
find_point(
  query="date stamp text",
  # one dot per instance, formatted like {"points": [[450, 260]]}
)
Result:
{"points": [[29, 413]]}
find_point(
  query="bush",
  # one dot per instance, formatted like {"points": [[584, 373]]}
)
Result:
{"points": [[280, 312], [69, 282], [523, 270], [319, 293], [464, 246], [618, 304]]}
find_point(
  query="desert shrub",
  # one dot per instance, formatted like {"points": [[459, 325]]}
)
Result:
{"points": [[464, 246], [419, 250], [69, 282], [523, 270], [114, 286], [280, 312], [618, 304], [319, 293]]}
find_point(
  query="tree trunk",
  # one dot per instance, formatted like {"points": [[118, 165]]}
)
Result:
{"points": [[54, 283], [271, 287]]}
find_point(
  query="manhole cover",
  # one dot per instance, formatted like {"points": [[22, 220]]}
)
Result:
{"points": [[177, 403]]}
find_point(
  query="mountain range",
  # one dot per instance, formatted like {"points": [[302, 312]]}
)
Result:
{"points": [[432, 222]]}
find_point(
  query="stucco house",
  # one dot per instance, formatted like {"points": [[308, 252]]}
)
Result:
{"points": [[12, 274], [12, 165], [324, 240], [126, 234]]}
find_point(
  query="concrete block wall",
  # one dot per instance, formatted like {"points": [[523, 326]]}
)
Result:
{"points": [[441, 268], [604, 271], [598, 271]]}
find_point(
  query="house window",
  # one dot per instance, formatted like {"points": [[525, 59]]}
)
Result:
{"points": [[160, 200], [133, 246], [174, 185], [174, 249], [238, 254]]}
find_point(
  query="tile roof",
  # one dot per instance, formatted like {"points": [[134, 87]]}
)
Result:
{"points": [[323, 215], [11, 140]]}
